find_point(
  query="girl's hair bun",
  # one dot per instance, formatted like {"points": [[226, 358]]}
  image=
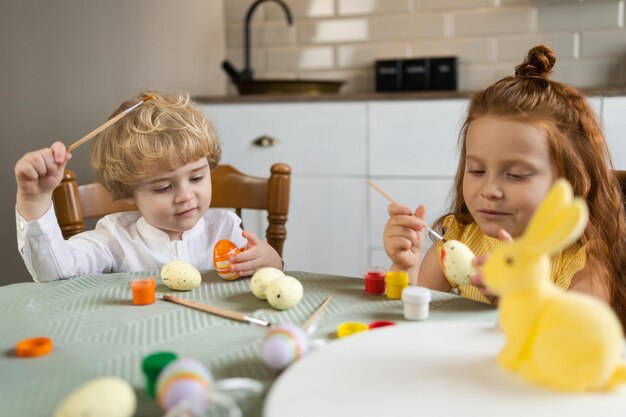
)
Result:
{"points": [[538, 63]]}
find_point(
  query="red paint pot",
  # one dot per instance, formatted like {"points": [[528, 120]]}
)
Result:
{"points": [[381, 323], [374, 277]]}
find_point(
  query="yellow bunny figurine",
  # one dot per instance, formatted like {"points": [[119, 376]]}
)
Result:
{"points": [[565, 340]]}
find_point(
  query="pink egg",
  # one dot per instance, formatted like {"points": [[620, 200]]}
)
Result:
{"points": [[184, 379], [282, 345]]}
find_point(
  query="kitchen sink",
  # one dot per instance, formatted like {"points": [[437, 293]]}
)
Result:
{"points": [[311, 87]]}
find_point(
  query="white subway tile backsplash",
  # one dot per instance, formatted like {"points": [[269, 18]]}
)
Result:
{"points": [[325, 31], [468, 50], [265, 34], [303, 9], [599, 43], [235, 11], [358, 56], [514, 48], [372, 7], [566, 45], [429, 5], [494, 21], [588, 15], [344, 37], [589, 72], [475, 77], [300, 58], [429, 25]]}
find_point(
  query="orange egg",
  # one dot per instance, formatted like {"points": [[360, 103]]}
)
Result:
{"points": [[222, 251]]}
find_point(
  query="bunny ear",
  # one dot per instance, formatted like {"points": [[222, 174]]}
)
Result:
{"points": [[559, 220]]}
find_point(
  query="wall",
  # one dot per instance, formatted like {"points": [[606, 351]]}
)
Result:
{"points": [[66, 65], [341, 39]]}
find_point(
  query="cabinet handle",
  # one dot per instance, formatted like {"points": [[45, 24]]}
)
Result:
{"points": [[265, 141]]}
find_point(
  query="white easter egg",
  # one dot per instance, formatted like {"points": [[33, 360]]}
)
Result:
{"points": [[457, 262], [282, 345], [284, 292], [262, 278], [101, 397], [180, 275]]}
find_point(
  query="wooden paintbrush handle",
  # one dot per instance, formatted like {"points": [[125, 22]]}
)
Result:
{"points": [[229, 314], [316, 313]]}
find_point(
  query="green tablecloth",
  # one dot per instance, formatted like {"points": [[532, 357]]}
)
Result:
{"points": [[97, 331]]}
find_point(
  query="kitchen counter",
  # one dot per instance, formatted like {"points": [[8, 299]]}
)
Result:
{"points": [[423, 95]]}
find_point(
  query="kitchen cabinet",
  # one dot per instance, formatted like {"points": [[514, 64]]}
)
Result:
{"points": [[409, 148], [325, 145]]}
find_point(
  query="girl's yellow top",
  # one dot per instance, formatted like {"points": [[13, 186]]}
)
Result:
{"points": [[564, 264]]}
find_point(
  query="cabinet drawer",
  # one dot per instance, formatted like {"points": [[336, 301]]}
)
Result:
{"points": [[314, 138], [415, 138]]}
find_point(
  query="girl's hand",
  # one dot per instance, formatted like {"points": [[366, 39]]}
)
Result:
{"points": [[37, 174], [258, 254], [479, 261], [403, 237]]}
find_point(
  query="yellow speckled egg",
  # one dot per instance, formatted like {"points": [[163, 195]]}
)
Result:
{"points": [[262, 278], [101, 397], [457, 262], [180, 275], [284, 292]]}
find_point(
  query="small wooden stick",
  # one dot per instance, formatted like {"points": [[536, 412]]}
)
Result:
{"points": [[393, 201], [313, 317], [106, 124], [229, 314]]}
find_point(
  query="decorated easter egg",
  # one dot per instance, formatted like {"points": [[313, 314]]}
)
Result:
{"points": [[180, 275], [222, 251], [456, 259], [282, 345], [262, 278], [184, 379], [284, 292], [101, 397]]}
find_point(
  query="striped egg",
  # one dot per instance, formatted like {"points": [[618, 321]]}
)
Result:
{"points": [[282, 345], [184, 379]]}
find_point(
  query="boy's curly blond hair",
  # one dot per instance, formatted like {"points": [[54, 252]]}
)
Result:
{"points": [[160, 135]]}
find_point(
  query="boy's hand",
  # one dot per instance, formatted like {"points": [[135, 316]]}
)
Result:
{"points": [[403, 237], [258, 254], [479, 261], [37, 174]]}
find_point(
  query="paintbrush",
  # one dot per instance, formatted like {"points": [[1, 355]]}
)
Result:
{"points": [[106, 124], [229, 314], [309, 324], [393, 201]]}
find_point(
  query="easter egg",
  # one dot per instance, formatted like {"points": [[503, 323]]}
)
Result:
{"points": [[282, 345], [222, 251], [262, 278], [457, 262], [184, 379], [284, 292], [101, 397], [180, 275]]}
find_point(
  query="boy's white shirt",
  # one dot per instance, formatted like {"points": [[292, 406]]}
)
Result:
{"points": [[120, 242]]}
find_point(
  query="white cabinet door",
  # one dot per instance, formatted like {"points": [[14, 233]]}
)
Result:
{"points": [[415, 138], [614, 124], [325, 144], [325, 139]]}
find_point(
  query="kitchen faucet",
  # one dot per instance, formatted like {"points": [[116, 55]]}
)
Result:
{"points": [[246, 74]]}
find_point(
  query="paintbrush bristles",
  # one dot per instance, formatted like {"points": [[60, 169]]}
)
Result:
{"points": [[106, 124]]}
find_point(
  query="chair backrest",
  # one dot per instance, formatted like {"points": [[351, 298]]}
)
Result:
{"points": [[75, 203]]}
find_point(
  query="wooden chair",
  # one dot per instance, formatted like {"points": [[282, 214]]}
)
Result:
{"points": [[75, 203]]}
